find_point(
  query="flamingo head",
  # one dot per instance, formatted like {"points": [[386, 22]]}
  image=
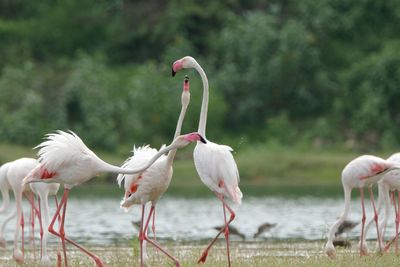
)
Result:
{"points": [[183, 63], [185, 92], [184, 140]]}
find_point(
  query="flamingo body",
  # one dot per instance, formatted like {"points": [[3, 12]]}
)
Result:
{"points": [[17, 170], [149, 185], [363, 171], [217, 169], [65, 159]]}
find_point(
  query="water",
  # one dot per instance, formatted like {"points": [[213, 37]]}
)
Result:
{"points": [[101, 221]]}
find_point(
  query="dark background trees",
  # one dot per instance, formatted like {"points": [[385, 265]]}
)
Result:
{"points": [[320, 72]]}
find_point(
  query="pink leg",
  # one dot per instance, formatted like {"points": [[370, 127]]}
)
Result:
{"points": [[393, 198], [56, 215], [155, 243], [31, 200], [153, 226], [59, 259], [362, 253], [22, 233], [375, 217], [227, 236], [204, 255], [41, 227], [397, 223], [141, 236], [61, 227], [32, 214], [61, 234]]}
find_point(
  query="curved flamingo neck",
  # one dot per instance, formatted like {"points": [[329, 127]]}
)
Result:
{"points": [[172, 153], [204, 104]]}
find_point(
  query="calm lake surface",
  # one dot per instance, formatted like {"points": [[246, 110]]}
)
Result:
{"points": [[101, 221]]}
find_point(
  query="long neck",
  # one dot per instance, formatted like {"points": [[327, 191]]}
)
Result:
{"points": [[204, 104], [106, 167], [335, 226], [172, 153]]}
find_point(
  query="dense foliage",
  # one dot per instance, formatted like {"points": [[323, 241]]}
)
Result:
{"points": [[320, 72]]}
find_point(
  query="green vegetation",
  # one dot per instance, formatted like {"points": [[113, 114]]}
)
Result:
{"points": [[265, 171], [316, 73], [259, 254]]}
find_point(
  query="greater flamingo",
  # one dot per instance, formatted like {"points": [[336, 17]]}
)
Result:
{"points": [[150, 185], [65, 159], [214, 163], [17, 170], [41, 189], [363, 171], [5, 187], [389, 183]]}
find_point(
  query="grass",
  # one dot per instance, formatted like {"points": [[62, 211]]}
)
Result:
{"points": [[264, 171], [254, 254]]}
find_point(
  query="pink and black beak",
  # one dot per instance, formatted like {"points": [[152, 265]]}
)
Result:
{"points": [[202, 139], [178, 65]]}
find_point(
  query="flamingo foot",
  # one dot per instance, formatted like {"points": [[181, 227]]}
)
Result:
{"points": [[387, 247], [18, 256], [330, 251], [3, 242], [45, 261], [203, 257], [363, 249], [99, 263]]}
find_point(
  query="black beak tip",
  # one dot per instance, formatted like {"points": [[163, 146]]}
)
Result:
{"points": [[203, 140], [173, 73]]}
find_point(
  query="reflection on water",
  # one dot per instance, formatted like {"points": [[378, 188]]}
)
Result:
{"points": [[101, 221]]}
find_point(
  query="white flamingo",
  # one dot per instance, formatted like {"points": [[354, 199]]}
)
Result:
{"points": [[214, 163], [361, 172], [5, 187], [17, 170], [150, 185], [65, 159], [389, 183]]}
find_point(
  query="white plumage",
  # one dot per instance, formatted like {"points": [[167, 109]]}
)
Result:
{"points": [[149, 185], [217, 169]]}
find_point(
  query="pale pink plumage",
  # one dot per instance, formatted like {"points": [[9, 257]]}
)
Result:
{"points": [[363, 171]]}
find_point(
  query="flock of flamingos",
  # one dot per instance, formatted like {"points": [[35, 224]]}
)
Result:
{"points": [[64, 159]]}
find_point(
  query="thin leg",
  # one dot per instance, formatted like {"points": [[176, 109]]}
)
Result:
{"points": [[371, 193], [226, 236], [22, 233], [153, 226], [204, 255], [155, 243], [56, 215], [32, 216], [396, 219], [61, 230], [141, 236], [362, 252], [18, 254], [41, 227], [59, 259], [61, 234], [397, 223]]}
